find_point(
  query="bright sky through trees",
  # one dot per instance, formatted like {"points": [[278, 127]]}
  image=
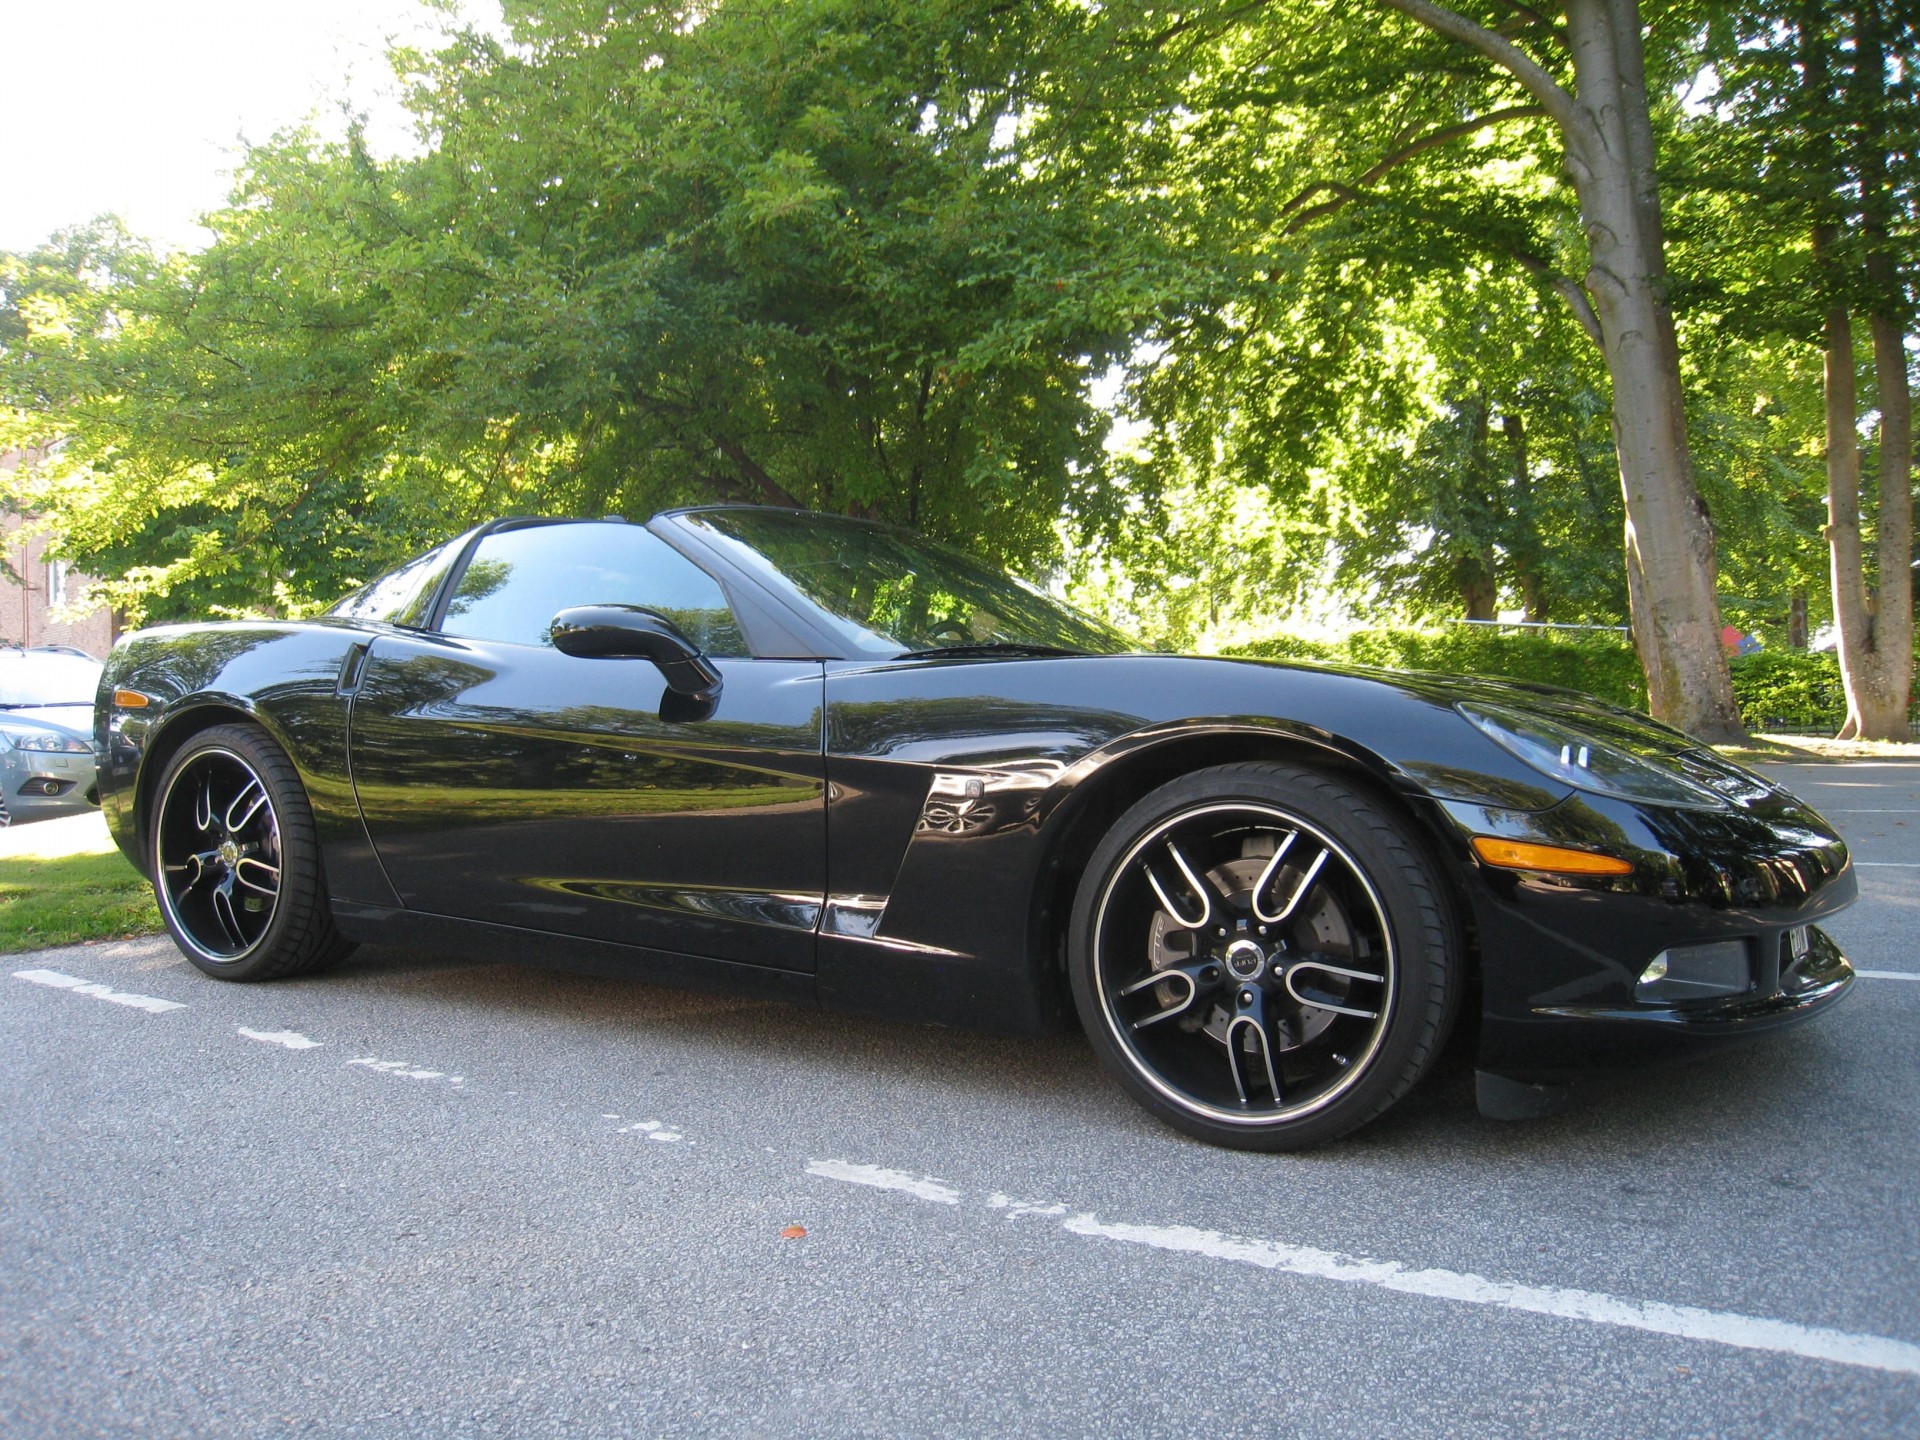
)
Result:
{"points": [[137, 107]]}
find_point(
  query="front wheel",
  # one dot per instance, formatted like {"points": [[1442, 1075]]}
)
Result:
{"points": [[236, 862], [1263, 956]]}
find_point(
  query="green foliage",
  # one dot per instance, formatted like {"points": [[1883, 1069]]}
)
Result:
{"points": [[1595, 663], [1789, 691]]}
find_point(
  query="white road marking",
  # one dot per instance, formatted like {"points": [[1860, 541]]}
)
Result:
{"points": [[78, 986], [406, 1068], [920, 1187], [1888, 974], [1689, 1322], [652, 1129], [291, 1039], [1020, 1209]]}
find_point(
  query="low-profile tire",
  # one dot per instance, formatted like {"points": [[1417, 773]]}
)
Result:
{"points": [[1264, 955], [236, 860]]}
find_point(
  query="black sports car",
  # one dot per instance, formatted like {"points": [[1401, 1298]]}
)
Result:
{"points": [[822, 759]]}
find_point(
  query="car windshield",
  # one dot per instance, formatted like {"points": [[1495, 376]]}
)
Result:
{"points": [[889, 592], [46, 677]]}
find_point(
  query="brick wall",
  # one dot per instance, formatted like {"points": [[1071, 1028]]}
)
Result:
{"points": [[30, 612]]}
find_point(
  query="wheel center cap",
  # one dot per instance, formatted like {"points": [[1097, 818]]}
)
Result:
{"points": [[1245, 960], [229, 853]]}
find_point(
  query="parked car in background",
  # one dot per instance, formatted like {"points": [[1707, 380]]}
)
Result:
{"points": [[46, 733]]}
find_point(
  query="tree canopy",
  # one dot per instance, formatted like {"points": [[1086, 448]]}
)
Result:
{"points": [[1364, 283]]}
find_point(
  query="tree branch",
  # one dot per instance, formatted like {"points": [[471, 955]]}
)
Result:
{"points": [[1567, 288], [1503, 52], [750, 468], [1433, 139]]}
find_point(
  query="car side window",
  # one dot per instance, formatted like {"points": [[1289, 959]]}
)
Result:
{"points": [[518, 580]]}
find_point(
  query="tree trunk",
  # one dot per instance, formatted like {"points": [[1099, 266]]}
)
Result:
{"points": [[1479, 591], [1672, 570], [1893, 611], [1528, 552], [1876, 657], [1851, 613]]}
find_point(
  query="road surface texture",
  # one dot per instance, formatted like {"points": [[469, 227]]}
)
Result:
{"points": [[419, 1196]]}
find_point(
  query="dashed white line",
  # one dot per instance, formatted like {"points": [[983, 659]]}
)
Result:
{"points": [[1888, 974], [918, 1186], [405, 1068], [289, 1039], [74, 983], [1746, 1332]]}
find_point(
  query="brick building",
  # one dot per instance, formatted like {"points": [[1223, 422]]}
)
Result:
{"points": [[35, 607]]}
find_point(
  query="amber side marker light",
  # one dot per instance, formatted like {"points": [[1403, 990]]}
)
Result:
{"points": [[1555, 859], [130, 700]]}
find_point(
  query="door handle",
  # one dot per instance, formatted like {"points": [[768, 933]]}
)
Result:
{"points": [[353, 668]]}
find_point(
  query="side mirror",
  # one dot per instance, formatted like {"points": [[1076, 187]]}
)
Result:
{"points": [[632, 632]]}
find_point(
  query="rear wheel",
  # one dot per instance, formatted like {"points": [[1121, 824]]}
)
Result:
{"points": [[1263, 956], [236, 861]]}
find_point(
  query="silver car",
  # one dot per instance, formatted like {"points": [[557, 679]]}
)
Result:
{"points": [[46, 733]]}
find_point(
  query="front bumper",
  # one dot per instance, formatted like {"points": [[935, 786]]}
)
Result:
{"points": [[1562, 957], [36, 785]]}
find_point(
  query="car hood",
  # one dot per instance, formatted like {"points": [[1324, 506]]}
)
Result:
{"points": [[74, 720], [1628, 729]]}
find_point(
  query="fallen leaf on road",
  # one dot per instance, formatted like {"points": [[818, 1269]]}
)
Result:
{"points": [[793, 1232]]}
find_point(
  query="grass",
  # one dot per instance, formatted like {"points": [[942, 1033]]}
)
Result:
{"points": [[65, 898]]}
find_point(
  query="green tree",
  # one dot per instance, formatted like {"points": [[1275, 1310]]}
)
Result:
{"points": [[652, 254], [1803, 223]]}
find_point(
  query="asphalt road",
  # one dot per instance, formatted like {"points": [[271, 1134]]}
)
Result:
{"points": [[423, 1197]]}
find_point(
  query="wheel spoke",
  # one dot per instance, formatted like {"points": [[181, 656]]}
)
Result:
{"points": [[1320, 965], [1300, 889], [1199, 977], [253, 796], [1198, 886], [224, 912], [1248, 1030], [1272, 869], [203, 806], [251, 873]]}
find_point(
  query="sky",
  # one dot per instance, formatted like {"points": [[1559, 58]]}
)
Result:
{"points": [[137, 107]]}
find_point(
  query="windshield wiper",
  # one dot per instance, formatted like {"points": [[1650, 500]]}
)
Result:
{"points": [[997, 647]]}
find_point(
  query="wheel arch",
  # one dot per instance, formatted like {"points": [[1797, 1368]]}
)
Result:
{"points": [[1104, 787], [184, 720]]}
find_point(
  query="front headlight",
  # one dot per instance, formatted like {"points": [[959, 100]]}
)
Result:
{"points": [[1564, 754], [47, 740]]}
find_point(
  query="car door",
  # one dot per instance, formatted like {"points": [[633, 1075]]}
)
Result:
{"points": [[504, 781]]}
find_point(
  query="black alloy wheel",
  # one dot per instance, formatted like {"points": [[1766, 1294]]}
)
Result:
{"points": [[1263, 956], [236, 864]]}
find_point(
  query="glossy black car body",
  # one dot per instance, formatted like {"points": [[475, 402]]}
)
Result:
{"points": [[905, 835]]}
